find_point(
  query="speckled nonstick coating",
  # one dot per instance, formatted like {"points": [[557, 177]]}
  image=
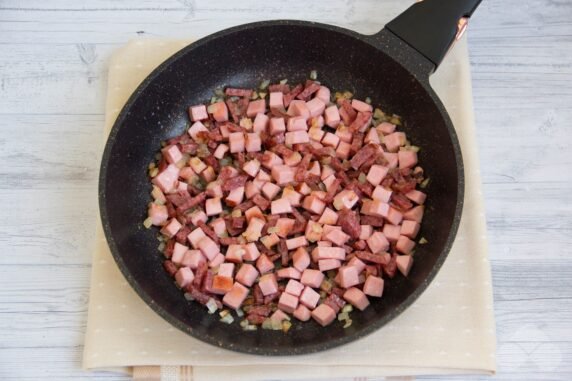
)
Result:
{"points": [[379, 66]]}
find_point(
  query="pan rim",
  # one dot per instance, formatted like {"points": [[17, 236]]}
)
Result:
{"points": [[237, 346]]}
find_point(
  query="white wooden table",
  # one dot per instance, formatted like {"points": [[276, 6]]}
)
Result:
{"points": [[53, 62]]}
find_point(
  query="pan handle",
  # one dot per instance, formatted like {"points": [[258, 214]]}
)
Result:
{"points": [[432, 26]]}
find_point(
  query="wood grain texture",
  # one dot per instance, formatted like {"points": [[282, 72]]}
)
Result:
{"points": [[53, 62]]}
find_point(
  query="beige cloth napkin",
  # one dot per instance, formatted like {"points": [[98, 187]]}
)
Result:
{"points": [[449, 329]]}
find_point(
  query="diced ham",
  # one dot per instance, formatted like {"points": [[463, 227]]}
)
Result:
{"points": [[406, 159], [373, 286], [293, 287], [221, 284], [251, 252], [345, 199], [299, 108], [404, 244], [260, 123], [313, 231], [376, 174], [219, 111], [394, 216], [198, 112], [193, 259], [184, 277], [386, 128], [236, 296], [277, 126], [158, 214], [254, 229], [270, 240], [337, 237], [283, 174], [296, 137], [415, 214], [394, 140], [292, 196], [167, 179], [280, 206], [237, 142], [287, 303], [409, 228], [171, 228], [404, 263], [213, 206], [416, 196], [195, 236], [256, 107], [323, 93], [330, 140], [377, 243], [263, 264], [392, 232], [343, 150], [391, 158], [312, 278], [365, 231], [277, 101], [172, 154], [301, 259], [324, 252], [234, 253], [253, 142], [382, 194], [208, 247], [247, 274], [288, 273], [309, 297], [302, 313], [297, 242], [324, 315], [268, 284], [348, 276], [316, 106], [357, 298], [357, 263], [195, 129], [328, 264], [178, 253]]}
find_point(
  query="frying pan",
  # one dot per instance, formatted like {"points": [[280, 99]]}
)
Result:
{"points": [[392, 67]]}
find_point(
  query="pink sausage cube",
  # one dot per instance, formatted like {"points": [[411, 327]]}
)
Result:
{"points": [[252, 188], [270, 240], [288, 273], [280, 206], [345, 199], [372, 137], [235, 197], [329, 217], [357, 298], [314, 169], [219, 111], [283, 226], [247, 274], [406, 159], [361, 106], [382, 194], [193, 259], [254, 229], [296, 137], [324, 94], [316, 106], [313, 204], [264, 264], [394, 216], [345, 134], [409, 228], [328, 264], [316, 134], [312, 278], [218, 259], [235, 297], [343, 150], [198, 112], [253, 212], [297, 242], [184, 277], [251, 252], [299, 108], [404, 244], [195, 129], [416, 196], [365, 232], [221, 284], [293, 287], [376, 174], [327, 171], [330, 140], [324, 315], [394, 140], [292, 196], [172, 154], [300, 259], [415, 214], [373, 286], [219, 226], [260, 123], [270, 190], [220, 151], [251, 167], [302, 313], [277, 101], [213, 206], [178, 253], [357, 263], [167, 180], [391, 158], [348, 276], [253, 142], [283, 174], [256, 107], [309, 297], [268, 284], [377, 243], [378, 209], [277, 126], [332, 116], [293, 160], [226, 269], [234, 253], [386, 128], [195, 236], [325, 252], [287, 302], [236, 142], [209, 248], [171, 228], [404, 263], [391, 232], [337, 237]]}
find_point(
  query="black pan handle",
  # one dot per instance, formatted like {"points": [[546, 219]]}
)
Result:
{"points": [[432, 26]]}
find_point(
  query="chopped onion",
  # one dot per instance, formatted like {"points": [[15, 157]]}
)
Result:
{"points": [[254, 96], [348, 323], [378, 114], [314, 75], [276, 325], [161, 247], [286, 325], [246, 123], [343, 316], [284, 81], [244, 323], [223, 313], [148, 222], [211, 305], [236, 213], [264, 84], [219, 92], [424, 183], [262, 95], [227, 319], [250, 327], [326, 285], [273, 229], [267, 324], [239, 313], [189, 297], [348, 308], [154, 172], [368, 100], [362, 178], [423, 241]]}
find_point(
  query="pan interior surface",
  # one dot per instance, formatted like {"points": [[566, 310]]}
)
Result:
{"points": [[243, 58]]}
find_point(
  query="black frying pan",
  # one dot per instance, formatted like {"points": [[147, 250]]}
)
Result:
{"points": [[392, 67]]}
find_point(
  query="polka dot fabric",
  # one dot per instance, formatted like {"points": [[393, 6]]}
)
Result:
{"points": [[449, 329]]}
